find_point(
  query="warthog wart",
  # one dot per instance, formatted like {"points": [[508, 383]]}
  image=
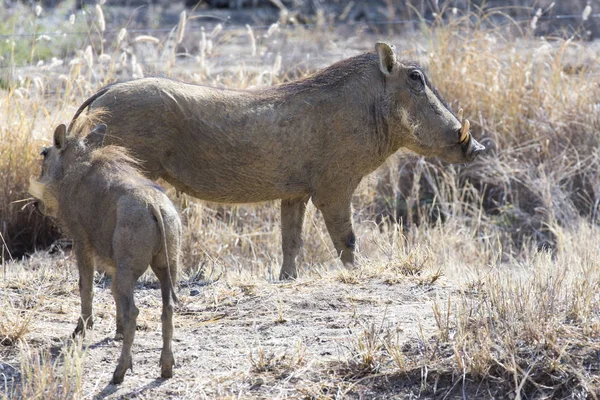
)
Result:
{"points": [[119, 221], [314, 138]]}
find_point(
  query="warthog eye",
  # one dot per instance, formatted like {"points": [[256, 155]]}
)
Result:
{"points": [[44, 152], [416, 75]]}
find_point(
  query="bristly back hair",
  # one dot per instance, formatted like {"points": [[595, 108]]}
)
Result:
{"points": [[114, 157], [85, 123]]}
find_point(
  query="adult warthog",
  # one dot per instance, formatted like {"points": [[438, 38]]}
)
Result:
{"points": [[314, 138]]}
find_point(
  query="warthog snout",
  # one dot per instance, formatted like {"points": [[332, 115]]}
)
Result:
{"points": [[471, 147]]}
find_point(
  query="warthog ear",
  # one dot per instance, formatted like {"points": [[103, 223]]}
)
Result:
{"points": [[60, 136], [96, 136], [387, 57]]}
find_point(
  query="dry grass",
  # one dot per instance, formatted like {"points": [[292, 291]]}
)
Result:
{"points": [[46, 376], [538, 323], [15, 324], [502, 254]]}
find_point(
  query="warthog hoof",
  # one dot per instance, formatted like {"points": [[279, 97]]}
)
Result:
{"points": [[118, 337], [82, 327], [166, 365], [166, 372], [119, 373], [288, 275]]}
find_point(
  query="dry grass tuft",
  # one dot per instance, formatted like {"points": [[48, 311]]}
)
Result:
{"points": [[263, 361], [348, 277], [366, 351], [15, 323], [48, 376]]}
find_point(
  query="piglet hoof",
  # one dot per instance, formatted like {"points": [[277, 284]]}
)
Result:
{"points": [[82, 327], [118, 337], [166, 366], [119, 373], [117, 378]]}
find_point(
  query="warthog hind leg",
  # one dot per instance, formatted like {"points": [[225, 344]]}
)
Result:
{"points": [[292, 218], [167, 361], [338, 219], [126, 278], [119, 318]]}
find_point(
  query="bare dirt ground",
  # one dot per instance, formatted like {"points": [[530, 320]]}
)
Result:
{"points": [[233, 339]]}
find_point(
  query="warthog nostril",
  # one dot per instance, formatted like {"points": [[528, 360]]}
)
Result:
{"points": [[475, 148]]}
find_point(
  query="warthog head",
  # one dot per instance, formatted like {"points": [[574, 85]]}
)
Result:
{"points": [[57, 159], [418, 116]]}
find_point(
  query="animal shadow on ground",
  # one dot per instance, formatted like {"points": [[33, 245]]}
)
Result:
{"points": [[111, 388], [101, 343]]}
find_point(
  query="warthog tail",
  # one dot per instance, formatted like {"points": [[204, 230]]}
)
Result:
{"points": [[86, 104], [161, 224]]}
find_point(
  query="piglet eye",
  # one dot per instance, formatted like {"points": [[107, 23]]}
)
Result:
{"points": [[44, 152]]}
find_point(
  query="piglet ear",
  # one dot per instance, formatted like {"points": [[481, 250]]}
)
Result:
{"points": [[60, 137], [387, 57], [96, 137]]}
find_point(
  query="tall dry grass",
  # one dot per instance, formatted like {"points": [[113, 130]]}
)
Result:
{"points": [[533, 102]]}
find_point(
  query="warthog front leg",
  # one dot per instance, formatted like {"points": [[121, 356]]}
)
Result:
{"points": [[85, 265], [338, 219], [292, 218], [124, 289]]}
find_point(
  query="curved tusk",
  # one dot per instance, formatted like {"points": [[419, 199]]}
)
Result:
{"points": [[460, 115], [464, 131], [36, 188]]}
